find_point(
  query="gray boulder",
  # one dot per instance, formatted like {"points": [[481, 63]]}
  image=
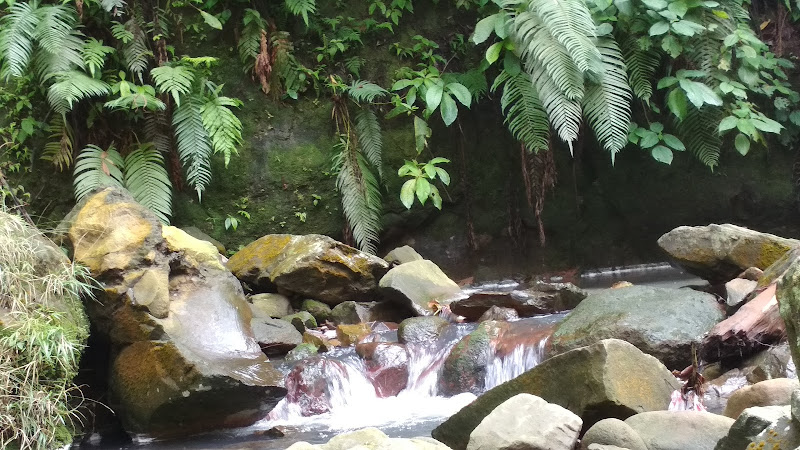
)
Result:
{"points": [[421, 330], [319, 310], [662, 322], [402, 255], [610, 378], [542, 298], [788, 296], [761, 426], [301, 320], [420, 285], [371, 439], [526, 422], [777, 391], [312, 265], [680, 430], [612, 432], [718, 253], [357, 312], [270, 305], [275, 336]]}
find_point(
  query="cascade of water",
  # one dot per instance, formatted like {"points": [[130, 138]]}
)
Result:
{"points": [[506, 367]]}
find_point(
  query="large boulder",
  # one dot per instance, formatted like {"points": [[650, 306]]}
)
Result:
{"points": [[610, 378], [680, 430], [464, 369], [402, 255], [612, 432], [788, 297], [663, 322], [275, 336], [765, 393], [371, 439], [720, 252], [542, 298], [420, 285], [312, 265], [526, 422], [183, 355], [764, 426]]}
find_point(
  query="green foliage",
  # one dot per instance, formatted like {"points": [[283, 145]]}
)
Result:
{"points": [[421, 183], [193, 142], [302, 8], [525, 115]]}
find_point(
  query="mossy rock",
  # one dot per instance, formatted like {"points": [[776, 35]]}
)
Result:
{"points": [[319, 310], [301, 320], [302, 351]]}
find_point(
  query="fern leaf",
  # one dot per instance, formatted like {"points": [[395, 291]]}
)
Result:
{"points": [[60, 44], [115, 7], [361, 197], [250, 38], [607, 104], [193, 142], [368, 133], [302, 8], [94, 55], [157, 131], [223, 127], [58, 150], [525, 116], [72, 87], [175, 81], [17, 38], [642, 65], [96, 168], [148, 181], [134, 48], [365, 91], [570, 23], [564, 113], [699, 132]]}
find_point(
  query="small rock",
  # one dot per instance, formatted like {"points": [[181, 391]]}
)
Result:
{"points": [[319, 310], [738, 289], [680, 430], [387, 366], [351, 334], [499, 313], [612, 432], [421, 330], [419, 285], [370, 438], [302, 351], [402, 255], [275, 336], [765, 393], [301, 320], [270, 305], [526, 421], [356, 312], [752, 273]]}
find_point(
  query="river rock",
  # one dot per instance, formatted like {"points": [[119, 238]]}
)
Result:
{"points": [[301, 320], [302, 351], [680, 430], [737, 291], [275, 336], [312, 265], [499, 313], [542, 298], [718, 253], [421, 330], [420, 285], [183, 355], [464, 369], [357, 312], [387, 366], [788, 295], [352, 334], [765, 393], [309, 384], [610, 378], [765, 426], [612, 432], [662, 322], [402, 255], [319, 310], [526, 422], [271, 305], [371, 439]]}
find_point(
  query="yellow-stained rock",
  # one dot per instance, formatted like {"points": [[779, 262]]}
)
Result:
{"points": [[352, 334], [195, 251]]}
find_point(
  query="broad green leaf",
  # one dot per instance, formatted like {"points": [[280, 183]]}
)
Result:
{"points": [[421, 134], [484, 28], [210, 20], [666, 82], [604, 29], [624, 7], [679, 8], [436, 197], [742, 144], [662, 154], [439, 160], [673, 142], [500, 28], [767, 125], [676, 101], [725, 87], [511, 64], [430, 170], [443, 175], [794, 117], [401, 84], [730, 40], [423, 188], [659, 28], [656, 5], [746, 127], [721, 14], [656, 127], [749, 52], [687, 27], [727, 123], [449, 109], [407, 193], [460, 92], [649, 139], [433, 96], [493, 52]]}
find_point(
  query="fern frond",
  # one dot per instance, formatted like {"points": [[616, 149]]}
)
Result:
{"points": [[94, 55], [564, 113], [607, 104], [699, 132], [115, 7], [138, 97], [524, 114], [475, 82], [95, 168], [302, 8], [368, 135], [72, 87], [570, 23], [148, 181], [223, 127], [58, 150], [250, 38], [361, 197], [60, 44], [17, 30], [642, 65], [134, 49], [176, 81], [365, 91], [193, 142], [157, 131]]}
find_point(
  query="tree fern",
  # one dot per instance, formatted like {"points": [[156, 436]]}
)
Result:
{"points": [[223, 127], [17, 31], [642, 65], [570, 23], [175, 81], [607, 104], [699, 132], [193, 142], [302, 8], [361, 197], [58, 150], [524, 114], [71, 87], [60, 45], [147, 180], [368, 134], [96, 168], [565, 114]]}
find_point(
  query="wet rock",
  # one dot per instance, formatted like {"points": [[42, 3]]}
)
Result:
{"points": [[311, 265], [308, 386], [788, 294], [302, 351], [765, 393], [765, 427], [402, 255], [275, 336], [319, 340], [416, 330], [270, 305], [198, 234], [774, 362], [612, 432], [680, 430], [526, 422], [464, 369], [719, 389], [662, 322], [738, 289], [719, 252], [301, 320], [542, 298], [372, 439], [183, 355], [357, 312], [387, 366], [610, 378], [319, 310], [755, 326], [419, 285], [498, 313], [352, 334]]}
